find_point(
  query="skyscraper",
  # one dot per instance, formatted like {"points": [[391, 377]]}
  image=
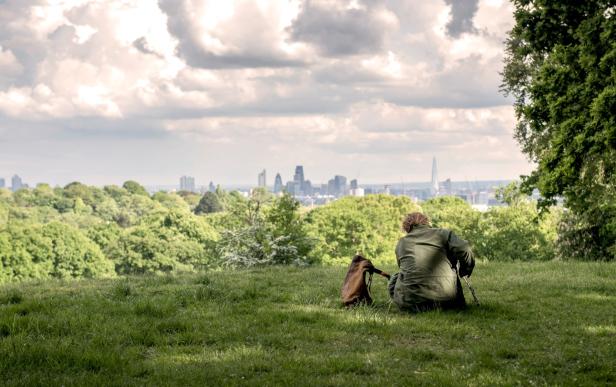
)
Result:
{"points": [[298, 178], [278, 183], [307, 188], [292, 188], [262, 179], [434, 181], [211, 187], [187, 183], [340, 185], [299, 174], [16, 183], [354, 184], [2, 182], [331, 187]]}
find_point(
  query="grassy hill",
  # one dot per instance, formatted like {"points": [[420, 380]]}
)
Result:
{"points": [[539, 323]]}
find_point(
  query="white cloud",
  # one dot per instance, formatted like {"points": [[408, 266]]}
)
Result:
{"points": [[329, 83], [9, 65]]}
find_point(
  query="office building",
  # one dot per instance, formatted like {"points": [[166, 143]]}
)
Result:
{"points": [[307, 188], [293, 188], [211, 187], [341, 185], [2, 182], [16, 183], [299, 175], [278, 183], [354, 184], [298, 179], [187, 183], [262, 179], [356, 192]]}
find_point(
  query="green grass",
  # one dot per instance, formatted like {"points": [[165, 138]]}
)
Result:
{"points": [[539, 323]]}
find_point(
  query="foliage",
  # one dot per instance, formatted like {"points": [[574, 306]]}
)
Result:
{"points": [[51, 250], [208, 204], [515, 232], [287, 227], [134, 188], [173, 242], [136, 233], [575, 238], [454, 214], [191, 198], [511, 194], [171, 201], [560, 69], [369, 225], [259, 237]]}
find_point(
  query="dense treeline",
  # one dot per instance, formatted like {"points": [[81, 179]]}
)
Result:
{"points": [[560, 69], [82, 231]]}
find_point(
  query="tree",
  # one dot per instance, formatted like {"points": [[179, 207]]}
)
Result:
{"points": [[515, 233], [561, 70], [135, 188], [209, 204], [287, 226], [370, 225], [50, 250], [256, 233], [175, 241], [191, 198], [454, 214]]}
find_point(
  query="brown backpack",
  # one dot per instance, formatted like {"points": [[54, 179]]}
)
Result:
{"points": [[355, 289]]}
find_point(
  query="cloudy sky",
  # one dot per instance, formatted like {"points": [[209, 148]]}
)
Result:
{"points": [[107, 90]]}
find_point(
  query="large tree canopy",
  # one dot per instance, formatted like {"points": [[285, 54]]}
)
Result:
{"points": [[561, 70]]}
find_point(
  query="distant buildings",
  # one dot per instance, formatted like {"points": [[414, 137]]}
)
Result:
{"points": [[211, 187], [299, 186], [447, 188], [278, 183], [187, 183], [262, 179], [2, 183], [16, 183], [357, 192]]}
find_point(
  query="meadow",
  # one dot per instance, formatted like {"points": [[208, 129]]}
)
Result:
{"points": [[540, 323]]}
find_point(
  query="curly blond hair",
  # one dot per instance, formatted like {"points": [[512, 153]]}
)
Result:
{"points": [[414, 219]]}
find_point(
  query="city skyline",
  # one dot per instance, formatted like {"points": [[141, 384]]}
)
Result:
{"points": [[186, 181], [104, 92]]}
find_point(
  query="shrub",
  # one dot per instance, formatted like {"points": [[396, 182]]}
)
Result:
{"points": [[514, 232], [454, 214], [51, 250]]}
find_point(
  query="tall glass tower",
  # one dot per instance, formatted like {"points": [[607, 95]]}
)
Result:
{"points": [[262, 179], [278, 183], [434, 181], [298, 178]]}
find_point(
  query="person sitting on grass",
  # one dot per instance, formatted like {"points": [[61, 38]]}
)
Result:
{"points": [[430, 260]]}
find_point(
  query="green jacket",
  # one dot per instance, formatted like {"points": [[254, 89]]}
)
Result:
{"points": [[427, 258]]}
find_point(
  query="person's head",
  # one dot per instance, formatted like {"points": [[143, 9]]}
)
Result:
{"points": [[413, 219]]}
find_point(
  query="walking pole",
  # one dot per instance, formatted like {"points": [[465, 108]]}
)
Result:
{"points": [[468, 283]]}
